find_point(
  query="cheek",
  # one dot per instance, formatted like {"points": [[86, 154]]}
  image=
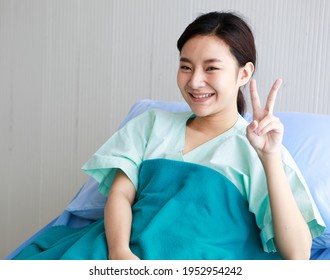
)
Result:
{"points": [[223, 81], [181, 80], [217, 82]]}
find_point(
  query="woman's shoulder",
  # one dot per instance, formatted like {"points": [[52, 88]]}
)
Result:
{"points": [[159, 116], [238, 130]]}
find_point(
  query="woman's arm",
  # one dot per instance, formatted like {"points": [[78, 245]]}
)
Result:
{"points": [[118, 218], [291, 233]]}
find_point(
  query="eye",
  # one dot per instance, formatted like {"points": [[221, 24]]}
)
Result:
{"points": [[185, 68], [211, 68]]}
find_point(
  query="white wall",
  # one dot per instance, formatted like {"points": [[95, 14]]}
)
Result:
{"points": [[70, 70]]}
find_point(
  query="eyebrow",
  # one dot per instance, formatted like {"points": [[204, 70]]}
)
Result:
{"points": [[185, 59]]}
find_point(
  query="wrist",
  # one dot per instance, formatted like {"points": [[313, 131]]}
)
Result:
{"points": [[122, 254], [270, 158], [117, 252]]}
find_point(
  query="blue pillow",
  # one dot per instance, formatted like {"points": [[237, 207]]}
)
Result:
{"points": [[306, 136], [89, 202]]}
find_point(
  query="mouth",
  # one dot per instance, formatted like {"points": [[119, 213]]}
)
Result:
{"points": [[200, 97]]}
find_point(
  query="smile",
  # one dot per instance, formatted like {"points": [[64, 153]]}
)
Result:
{"points": [[201, 97]]}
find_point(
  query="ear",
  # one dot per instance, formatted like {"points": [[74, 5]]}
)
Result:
{"points": [[245, 73]]}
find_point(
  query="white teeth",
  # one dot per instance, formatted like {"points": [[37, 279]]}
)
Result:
{"points": [[202, 96]]}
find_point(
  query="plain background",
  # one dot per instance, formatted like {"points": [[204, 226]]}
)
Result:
{"points": [[71, 69]]}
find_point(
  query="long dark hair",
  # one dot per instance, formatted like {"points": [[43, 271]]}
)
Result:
{"points": [[234, 31]]}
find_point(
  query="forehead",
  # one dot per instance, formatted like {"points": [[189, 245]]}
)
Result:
{"points": [[205, 48]]}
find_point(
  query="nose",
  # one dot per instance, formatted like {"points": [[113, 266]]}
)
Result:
{"points": [[197, 79]]}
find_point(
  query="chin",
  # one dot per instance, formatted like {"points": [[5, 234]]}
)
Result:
{"points": [[200, 112], [201, 108]]}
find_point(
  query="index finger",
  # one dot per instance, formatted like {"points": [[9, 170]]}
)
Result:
{"points": [[272, 96], [255, 100]]}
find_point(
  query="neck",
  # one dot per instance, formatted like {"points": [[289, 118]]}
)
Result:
{"points": [[214, 124]]}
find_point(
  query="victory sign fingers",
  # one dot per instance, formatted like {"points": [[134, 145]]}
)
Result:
{"points": [[258, 112], [266, 130]]}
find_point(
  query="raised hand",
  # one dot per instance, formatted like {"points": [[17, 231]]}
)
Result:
{"points": [[265, 132]]}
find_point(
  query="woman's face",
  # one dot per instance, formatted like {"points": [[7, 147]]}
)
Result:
{"points": [[208, 76]]}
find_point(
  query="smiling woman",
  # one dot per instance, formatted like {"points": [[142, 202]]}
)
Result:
{"points": [[235, 35], [234, 191], [210, 75]]}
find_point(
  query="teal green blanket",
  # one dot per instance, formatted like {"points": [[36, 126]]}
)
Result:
{"points": [[182, 211]]}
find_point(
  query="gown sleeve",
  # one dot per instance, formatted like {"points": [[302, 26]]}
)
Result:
{"points": [[124, 150], [260, 204]]}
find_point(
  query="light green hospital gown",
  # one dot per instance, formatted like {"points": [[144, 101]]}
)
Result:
{"points": [[160, 134]]}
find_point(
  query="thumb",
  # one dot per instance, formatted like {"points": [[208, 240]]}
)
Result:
{"points": [[252, 126]]}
